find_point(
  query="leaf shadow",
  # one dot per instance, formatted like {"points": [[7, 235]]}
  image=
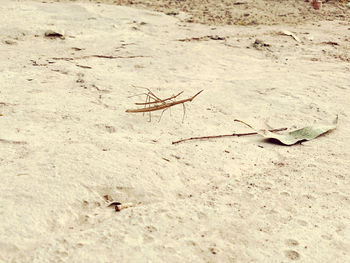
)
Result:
{"points": [[278, 142]]}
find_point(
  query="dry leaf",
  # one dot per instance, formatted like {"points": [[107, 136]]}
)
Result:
{"points": [[54, 34], [304, 134], [288, 33]]}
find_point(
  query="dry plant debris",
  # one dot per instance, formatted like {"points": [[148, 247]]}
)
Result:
{"points": [[161, 104], [119, 206], [288, 33], [98, 56], [225, 135], [304, 134], [293, 137], [12, 141], [203, 38], [54, 34]]}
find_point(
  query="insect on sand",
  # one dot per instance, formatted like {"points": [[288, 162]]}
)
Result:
{"points": [[154, 103]]}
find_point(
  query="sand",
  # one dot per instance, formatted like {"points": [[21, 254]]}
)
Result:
{"points": [[237, 12], [68, 147]]}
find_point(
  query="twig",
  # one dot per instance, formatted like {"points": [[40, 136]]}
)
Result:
{"points": [[205, 38], [246, 124], [12, 142], [98, 56], [164, 105], [225, 135], [82, 66], [119, 206]]}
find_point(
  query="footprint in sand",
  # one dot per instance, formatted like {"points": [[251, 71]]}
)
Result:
{"points": [[292, 255], [291, 242]]}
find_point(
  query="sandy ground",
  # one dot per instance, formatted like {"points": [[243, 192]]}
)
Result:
{"points": [[240, 12], [67, 144]]}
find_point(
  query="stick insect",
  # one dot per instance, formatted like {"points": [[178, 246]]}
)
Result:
{"points": [[161, 104]]}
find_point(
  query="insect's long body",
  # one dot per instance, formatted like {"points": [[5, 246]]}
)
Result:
{"points": [[162, 106]]}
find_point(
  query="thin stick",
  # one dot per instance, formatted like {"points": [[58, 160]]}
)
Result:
{"points": [[243, 123], [225, 135], [13, 142], [96, 56], [164, 105]]}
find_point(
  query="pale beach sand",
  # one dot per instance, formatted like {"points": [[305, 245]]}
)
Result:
{"points": [[67, 142]]}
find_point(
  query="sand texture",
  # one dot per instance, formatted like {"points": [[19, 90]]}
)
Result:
{"points": [[240, 12], [68, 147]]}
